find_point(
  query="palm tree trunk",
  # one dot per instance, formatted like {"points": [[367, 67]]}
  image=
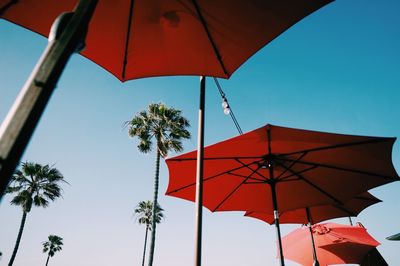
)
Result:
{"points": [[47, 261], [145, 243], [21, 229], [153, 224]]}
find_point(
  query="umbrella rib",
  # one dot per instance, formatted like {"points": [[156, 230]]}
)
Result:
{"points": [[343, 208], [337, 146], [204, 24], [368, 199], [285, 178], [247, 166], [291, 165], [252, 178], [340, 168], [214, 176], [4, 8], [313, 185], [216, 158], [269, 139], [128, 35], [233, 191]]}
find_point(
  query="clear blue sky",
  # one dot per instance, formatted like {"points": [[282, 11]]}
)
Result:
{"points": [[337, 70]]}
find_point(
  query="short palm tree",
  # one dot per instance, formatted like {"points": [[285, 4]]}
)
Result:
{"points": [[36, 185], [167, 127], [144, 214], [51, 246]]}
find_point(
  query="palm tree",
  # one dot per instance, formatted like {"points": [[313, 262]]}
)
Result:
{"points": [[144, 213], [168, 127], [36, 185], [51, 246]]}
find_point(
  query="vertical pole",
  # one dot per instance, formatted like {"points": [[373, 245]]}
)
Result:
{"points": [[18, 126], [276, 216], [199, 174], [316, 263], [351, 222]]}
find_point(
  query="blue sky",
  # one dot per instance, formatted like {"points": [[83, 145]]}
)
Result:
{"points": [[337, 71]]}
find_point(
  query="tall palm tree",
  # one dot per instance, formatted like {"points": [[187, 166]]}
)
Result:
{"points": [[36, 185], [144, 214], [52, 245], [168, 127]]}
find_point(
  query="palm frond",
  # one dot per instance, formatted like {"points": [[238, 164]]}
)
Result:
{"points": [[160, 125], [53, 245], [35, 184], [144, 213]]}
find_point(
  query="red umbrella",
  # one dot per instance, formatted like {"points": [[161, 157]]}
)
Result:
{"points": [[319, 213], [374, 258], [275, 165], [316, 214], [142, 38], [336, 244], [145, 38]]}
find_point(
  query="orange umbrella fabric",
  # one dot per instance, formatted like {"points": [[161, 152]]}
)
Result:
{"points": [[144, 38], [308, 168], [321, 212], [336, 244]]}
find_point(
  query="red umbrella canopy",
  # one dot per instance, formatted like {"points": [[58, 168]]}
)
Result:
{"points": [[143, 38], [321, 212], [374, 258], [335, 244], [308, 168]]}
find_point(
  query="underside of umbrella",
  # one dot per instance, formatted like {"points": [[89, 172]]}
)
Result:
{"points": [[136, 39], [319, 213], [335, 244], [374, 258], [309, 168], [274, 169], [143, 38]]}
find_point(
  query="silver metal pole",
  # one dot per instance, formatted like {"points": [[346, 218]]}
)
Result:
{"points": [[276, 219], [19, 125], [316, 263], [199, 174]]}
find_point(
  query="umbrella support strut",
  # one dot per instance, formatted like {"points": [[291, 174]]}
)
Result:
{"points": [[350, 221], [199, 174], [276, 217], [316, 263], [17, 128]]}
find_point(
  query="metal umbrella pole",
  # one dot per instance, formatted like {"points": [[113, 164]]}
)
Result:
{"points": [[67, 36], [276, 217], [316, 263], [272, 183], [199, 173]]}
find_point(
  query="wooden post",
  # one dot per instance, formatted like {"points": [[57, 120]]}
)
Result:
{"points": [[20, 123]]}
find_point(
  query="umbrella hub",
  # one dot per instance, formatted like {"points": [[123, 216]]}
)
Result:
{"points": [[320, 229], [265, 165], [268, 162]]}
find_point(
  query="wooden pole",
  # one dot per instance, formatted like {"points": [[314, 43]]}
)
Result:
{"points": [[20, 123]]}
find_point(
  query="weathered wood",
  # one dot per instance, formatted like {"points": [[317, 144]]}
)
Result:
{"points": [[19, 125]]}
